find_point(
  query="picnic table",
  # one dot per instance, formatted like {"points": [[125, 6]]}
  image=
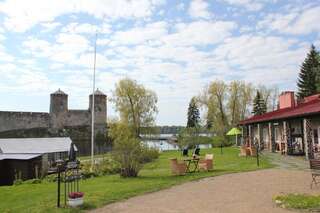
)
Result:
{"points": [[190, 162]]}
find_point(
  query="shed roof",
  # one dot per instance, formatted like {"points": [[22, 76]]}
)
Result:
{"points": [[34, 145], [18, 156], [304, 109]]}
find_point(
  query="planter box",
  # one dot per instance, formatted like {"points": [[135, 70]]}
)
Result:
{"points": [[74, 202]]}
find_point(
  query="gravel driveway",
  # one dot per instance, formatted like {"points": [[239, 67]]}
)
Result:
{"points": [[241, 192]]}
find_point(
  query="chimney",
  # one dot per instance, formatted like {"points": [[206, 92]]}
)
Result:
{"points": [[286, 100]]}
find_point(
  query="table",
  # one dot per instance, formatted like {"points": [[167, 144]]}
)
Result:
{"points": [[190, 161]]}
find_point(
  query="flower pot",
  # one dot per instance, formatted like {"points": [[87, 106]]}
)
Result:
{"points": [[74, 202]]}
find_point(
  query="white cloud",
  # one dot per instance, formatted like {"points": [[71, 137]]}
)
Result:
{"points": [[200, 33], [258, 59], [22, 15], [199, 9], [87, 28], [50, 26], [137, 35], [251, 5], [66, 49], [295, 21]]}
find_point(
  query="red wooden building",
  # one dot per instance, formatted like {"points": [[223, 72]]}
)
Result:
{"points": [[294, 128]]}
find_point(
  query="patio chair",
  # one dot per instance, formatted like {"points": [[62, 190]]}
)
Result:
{"points": [[185, 151], [207, 163], [243, 151], [253, 151], [196, 151], [315, 171], [178, 168]]}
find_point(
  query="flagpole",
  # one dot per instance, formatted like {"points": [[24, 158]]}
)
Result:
{"points": [[92, 108]]}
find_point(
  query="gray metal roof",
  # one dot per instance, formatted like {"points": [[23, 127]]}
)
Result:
{"points": [[34, 145], [18, 156]]}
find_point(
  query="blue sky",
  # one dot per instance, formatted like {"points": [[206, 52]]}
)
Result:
{"points": [[172, 47]]}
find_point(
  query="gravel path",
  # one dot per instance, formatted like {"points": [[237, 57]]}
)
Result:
{"points": [[241, 192], [287, 161]]}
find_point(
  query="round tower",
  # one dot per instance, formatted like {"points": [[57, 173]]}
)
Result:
{"points": [[58, 109], [100, 105]]}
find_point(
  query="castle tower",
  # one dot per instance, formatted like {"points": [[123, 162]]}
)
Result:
{"points": [[100, 105], [58, 109]]}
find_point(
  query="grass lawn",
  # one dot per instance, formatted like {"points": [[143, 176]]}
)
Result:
{"points": [[103, 190], [299, 201]]}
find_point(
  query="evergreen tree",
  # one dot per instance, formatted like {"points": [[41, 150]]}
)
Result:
{"points": [[259, 105], [193, 114], [309, 74]]}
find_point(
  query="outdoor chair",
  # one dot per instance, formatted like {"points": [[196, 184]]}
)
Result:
{"points": [[243, 151], [315, 171], [178, 168], [253, 151], [196, 151], [185, 151], [207, 163]]}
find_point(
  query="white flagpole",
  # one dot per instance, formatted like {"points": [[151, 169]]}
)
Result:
{"points": [[92, 107]]}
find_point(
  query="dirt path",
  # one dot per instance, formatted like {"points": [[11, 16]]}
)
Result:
{"points": [[242, 192]]}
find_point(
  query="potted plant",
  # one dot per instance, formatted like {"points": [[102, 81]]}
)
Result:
{"points": [[75, 199]]}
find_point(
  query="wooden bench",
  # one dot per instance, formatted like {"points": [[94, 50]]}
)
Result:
{"points": [[315, 171]]}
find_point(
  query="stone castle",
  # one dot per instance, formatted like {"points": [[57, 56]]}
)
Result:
{"points": [[60, 121]]}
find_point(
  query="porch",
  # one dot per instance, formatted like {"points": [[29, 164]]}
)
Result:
{"points": [[292, 136]]}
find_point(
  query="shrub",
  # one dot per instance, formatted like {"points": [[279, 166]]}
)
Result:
{"points": [[218, 140], [105, 166], [86, 170], [128, 150], [148, 154], [51, 178], [17, 182], [32, 181], [108, 166]]}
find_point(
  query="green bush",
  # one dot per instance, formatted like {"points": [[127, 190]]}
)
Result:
{"points": [[128, 150], [50, 178], [32, 181], [87, 172], [103, 167], [149, 154], [17, 182], [218, 140], [108, 166]]}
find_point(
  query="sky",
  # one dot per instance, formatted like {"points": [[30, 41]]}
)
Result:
{"points": [[174, 48]]}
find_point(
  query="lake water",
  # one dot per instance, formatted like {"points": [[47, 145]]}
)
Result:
{"points": [[164, 145], [161, 145]]}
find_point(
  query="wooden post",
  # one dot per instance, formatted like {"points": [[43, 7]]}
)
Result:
{"points": [[259, 136], [307, 136], [250, 136], [285, 136], [270, 136]]}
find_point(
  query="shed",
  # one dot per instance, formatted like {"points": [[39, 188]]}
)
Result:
{"points": [[27, 158]]}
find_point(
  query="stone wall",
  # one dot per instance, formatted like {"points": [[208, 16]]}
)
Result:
{"points": [[78, 118], [22, 120]]}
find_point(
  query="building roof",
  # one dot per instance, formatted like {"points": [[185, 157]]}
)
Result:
{"points": [[34, 145], [18, 156], [59, 92], [98, 92], [311, 107]]}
